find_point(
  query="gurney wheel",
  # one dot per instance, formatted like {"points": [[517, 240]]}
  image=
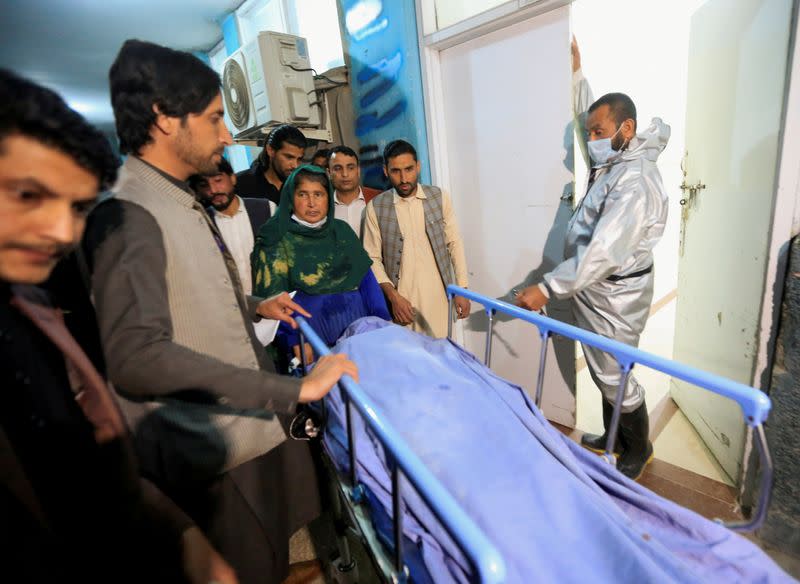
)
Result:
{"points": [[344, 574]]}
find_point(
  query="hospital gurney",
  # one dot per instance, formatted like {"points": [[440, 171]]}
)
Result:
{"points": [[483, 557]]}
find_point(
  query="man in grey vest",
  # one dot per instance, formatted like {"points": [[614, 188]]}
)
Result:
{"points": [[410, 232], [177, 328]]}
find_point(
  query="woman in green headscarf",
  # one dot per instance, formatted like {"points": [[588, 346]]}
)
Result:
{"points": [[304, 248]]}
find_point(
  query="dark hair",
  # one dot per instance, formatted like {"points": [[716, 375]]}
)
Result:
{"points": [[145, 74], [224, 167], [324, 153], [396, 148], [620, 105], [346, 150], [317, 177], [285, 133], [30, 110]]}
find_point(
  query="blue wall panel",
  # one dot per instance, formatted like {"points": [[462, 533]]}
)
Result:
{"points": [[230, 33], [380, 38], [202, 56]]}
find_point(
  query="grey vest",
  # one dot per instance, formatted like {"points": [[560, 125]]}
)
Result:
{"points": [[210, 323], [392, 238]]}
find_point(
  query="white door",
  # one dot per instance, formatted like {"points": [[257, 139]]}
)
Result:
{"points": [[737, 68], [506, 103]]}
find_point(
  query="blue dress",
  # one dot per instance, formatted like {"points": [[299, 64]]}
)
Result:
{"points": [[331, 314]]}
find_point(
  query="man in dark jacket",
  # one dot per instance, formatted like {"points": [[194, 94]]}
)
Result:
{"points": [[282, 153], [73, 507]]}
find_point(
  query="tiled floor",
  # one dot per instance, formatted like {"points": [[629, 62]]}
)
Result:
{"points": [[674, 439], [680, 445], [710, 498]]}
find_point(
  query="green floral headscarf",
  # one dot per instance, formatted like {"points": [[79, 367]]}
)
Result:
{"points": [[288, 256]]}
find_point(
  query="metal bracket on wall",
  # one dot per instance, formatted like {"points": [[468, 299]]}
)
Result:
{"points": [[320, 134], [258, 136]]}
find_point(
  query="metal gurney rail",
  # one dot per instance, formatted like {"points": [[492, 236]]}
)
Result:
{"points": [[754, 403], [487, 563]]}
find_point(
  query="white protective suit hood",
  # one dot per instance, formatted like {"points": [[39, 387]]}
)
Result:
{"points": [[620, 219], [648, 144]]}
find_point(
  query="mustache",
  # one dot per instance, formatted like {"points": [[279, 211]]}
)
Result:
{"points": [[58, 251], [220, 206]]}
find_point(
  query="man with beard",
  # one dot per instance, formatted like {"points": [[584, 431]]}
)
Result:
{"points": [[177, 328], [282, 153], [348, 196], [73, 507], [411, 235], [237, 219], [608, 271]]}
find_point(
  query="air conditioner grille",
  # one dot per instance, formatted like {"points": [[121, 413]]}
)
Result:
{"points": [[237, 102]]}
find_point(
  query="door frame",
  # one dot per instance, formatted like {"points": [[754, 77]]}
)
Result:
{"points": [[785, 222], [430, 48], [785, 211], [433, 44], [785, 226]]}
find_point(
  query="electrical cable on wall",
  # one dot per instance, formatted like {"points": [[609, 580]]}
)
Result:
{"points": [[318, 75], [329, 80], [336, 114]]}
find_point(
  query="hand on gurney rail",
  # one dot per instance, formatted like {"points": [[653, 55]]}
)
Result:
{"points": [[531, 298], [462, 305], [326, 373], [281, 307]]}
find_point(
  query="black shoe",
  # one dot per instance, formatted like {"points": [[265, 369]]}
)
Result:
{"points": [[597, 442], [634, 428]]}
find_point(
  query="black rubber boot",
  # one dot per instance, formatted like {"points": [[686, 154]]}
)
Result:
{"points": [[634, 428], [597, 442]]}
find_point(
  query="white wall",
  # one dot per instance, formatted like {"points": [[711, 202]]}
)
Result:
{"points": [[506, 104], [315, 20]]}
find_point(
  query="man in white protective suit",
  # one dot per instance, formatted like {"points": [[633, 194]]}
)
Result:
{"points": [[607, 272]]}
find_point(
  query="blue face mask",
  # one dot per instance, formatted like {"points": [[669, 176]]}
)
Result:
{"points": [[601, 150]]}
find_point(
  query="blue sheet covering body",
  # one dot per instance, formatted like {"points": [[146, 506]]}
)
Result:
{"points": [[555, 511]]}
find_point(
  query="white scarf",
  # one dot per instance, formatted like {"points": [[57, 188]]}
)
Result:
{"points": [[316, 225]]}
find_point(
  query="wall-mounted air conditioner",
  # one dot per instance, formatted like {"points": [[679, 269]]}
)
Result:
{"points": [[267, 82]]}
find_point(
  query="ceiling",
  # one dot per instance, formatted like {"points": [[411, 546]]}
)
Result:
{"points": [[69, 45]]}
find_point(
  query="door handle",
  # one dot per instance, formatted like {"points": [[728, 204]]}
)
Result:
{"points": [[692, 190]]}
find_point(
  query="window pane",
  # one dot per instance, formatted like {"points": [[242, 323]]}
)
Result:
{"points": [[262, 15], [318, 22], [439, 14]]}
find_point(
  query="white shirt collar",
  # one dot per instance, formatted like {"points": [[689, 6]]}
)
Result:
{"points": [[241, 209], [336, 200]]}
